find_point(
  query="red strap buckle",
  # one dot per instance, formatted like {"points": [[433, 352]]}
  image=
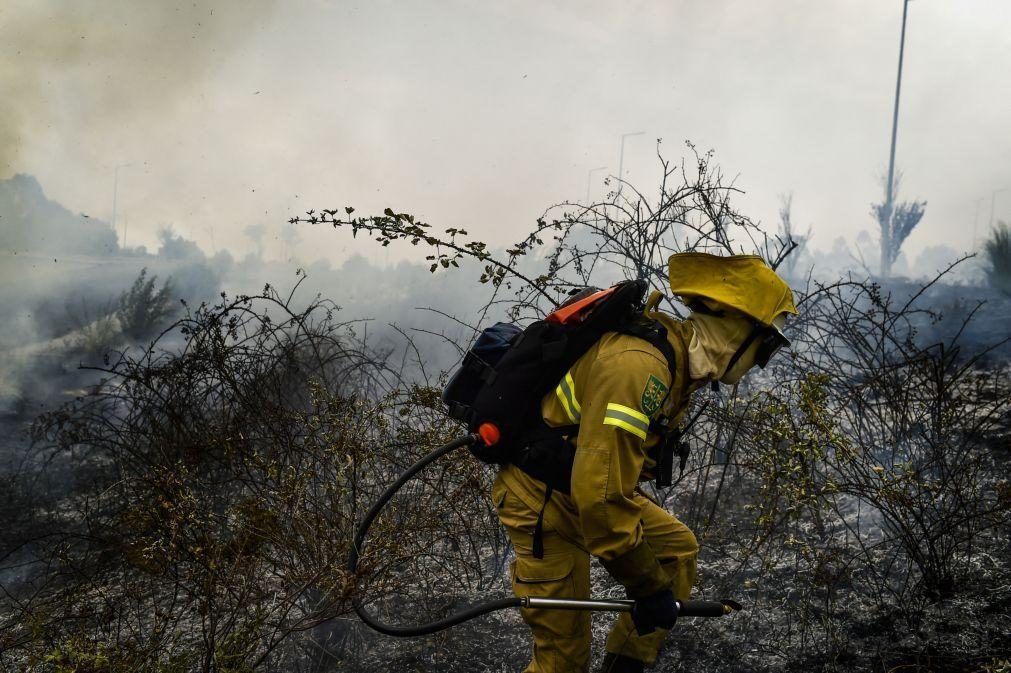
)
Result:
{"points": [[575, 312]]}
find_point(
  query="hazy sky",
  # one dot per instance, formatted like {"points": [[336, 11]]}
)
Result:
{"points": [[482, 114]]}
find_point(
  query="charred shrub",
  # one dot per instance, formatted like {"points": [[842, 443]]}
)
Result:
{"points": [[216, 480]]}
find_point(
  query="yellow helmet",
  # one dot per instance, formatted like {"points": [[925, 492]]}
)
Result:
{"points": [[742, 282]]}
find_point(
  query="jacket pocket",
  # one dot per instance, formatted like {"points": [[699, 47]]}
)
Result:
{"points": [[498, 495]]}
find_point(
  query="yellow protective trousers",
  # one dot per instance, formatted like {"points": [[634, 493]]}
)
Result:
{"points": [[561, 637]]}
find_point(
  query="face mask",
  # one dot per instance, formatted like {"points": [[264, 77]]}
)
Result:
{"points": [[758, 348], [725, 347], [714, 342]]}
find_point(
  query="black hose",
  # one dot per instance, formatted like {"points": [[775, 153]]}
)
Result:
{"points": [[686, 608], [432, 627], [359, 544]]}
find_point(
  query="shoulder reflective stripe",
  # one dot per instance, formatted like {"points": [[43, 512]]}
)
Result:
{"points": [[627, 419], [572, 390], [560, 394], [566, 393]]}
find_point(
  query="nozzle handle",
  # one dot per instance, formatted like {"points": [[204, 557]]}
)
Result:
{"points": [[685, 608], [703, 609]]}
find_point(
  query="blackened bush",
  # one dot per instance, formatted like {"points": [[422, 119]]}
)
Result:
{"points": [[217, 480]]}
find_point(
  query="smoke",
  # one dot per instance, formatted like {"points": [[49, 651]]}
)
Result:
{"points": [[86, 67], [61, 279], [77, 76]]}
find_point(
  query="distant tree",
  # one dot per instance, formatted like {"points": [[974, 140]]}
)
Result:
{"points": [[998, 255], [174, 246], [896, 220], [256, 232], [789, 235], [143, 309], [933, 258], [291, 237]]}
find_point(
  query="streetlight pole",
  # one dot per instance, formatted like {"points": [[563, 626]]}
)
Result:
{"points": [[589, 176], [621, 156], [886, 226]]}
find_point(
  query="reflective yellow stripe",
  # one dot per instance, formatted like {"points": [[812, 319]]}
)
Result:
{"points": [[566, 393], [629, 411], [565, 403], [572, 390], [627, 419], [628, 427]]}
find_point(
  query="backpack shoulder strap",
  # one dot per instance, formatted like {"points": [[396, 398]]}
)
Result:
{"points": [[671, 442], [655, 334]]}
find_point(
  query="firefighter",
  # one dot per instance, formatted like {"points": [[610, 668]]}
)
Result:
{"points": [[613, 393]]}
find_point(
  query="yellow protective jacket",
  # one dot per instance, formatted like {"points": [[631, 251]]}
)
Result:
{"points": [[612, 392]]}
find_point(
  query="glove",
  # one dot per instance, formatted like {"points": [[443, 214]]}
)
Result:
{"points": [[655, 611]]}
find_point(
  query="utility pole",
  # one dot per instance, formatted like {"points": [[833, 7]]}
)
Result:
{"points": [[886, 225], [993, 198], [975, 222], [115, 189], [210, 230], [621, 156], [589, 176]]}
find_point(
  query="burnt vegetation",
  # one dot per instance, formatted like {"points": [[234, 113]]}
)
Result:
{"points": [[195, 509]]}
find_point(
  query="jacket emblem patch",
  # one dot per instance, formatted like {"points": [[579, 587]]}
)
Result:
{"points": [[653, 395]]}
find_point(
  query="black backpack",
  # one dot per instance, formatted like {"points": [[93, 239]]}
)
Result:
{"points": [[497, 390]]}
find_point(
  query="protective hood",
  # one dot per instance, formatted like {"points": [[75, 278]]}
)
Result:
{"points": [[742, 282]]}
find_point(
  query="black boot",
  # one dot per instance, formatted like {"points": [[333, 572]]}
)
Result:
{"points": [[619, 663]]}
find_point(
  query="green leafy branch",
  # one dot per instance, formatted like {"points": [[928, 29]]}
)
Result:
{"points": [[447, 248]]}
